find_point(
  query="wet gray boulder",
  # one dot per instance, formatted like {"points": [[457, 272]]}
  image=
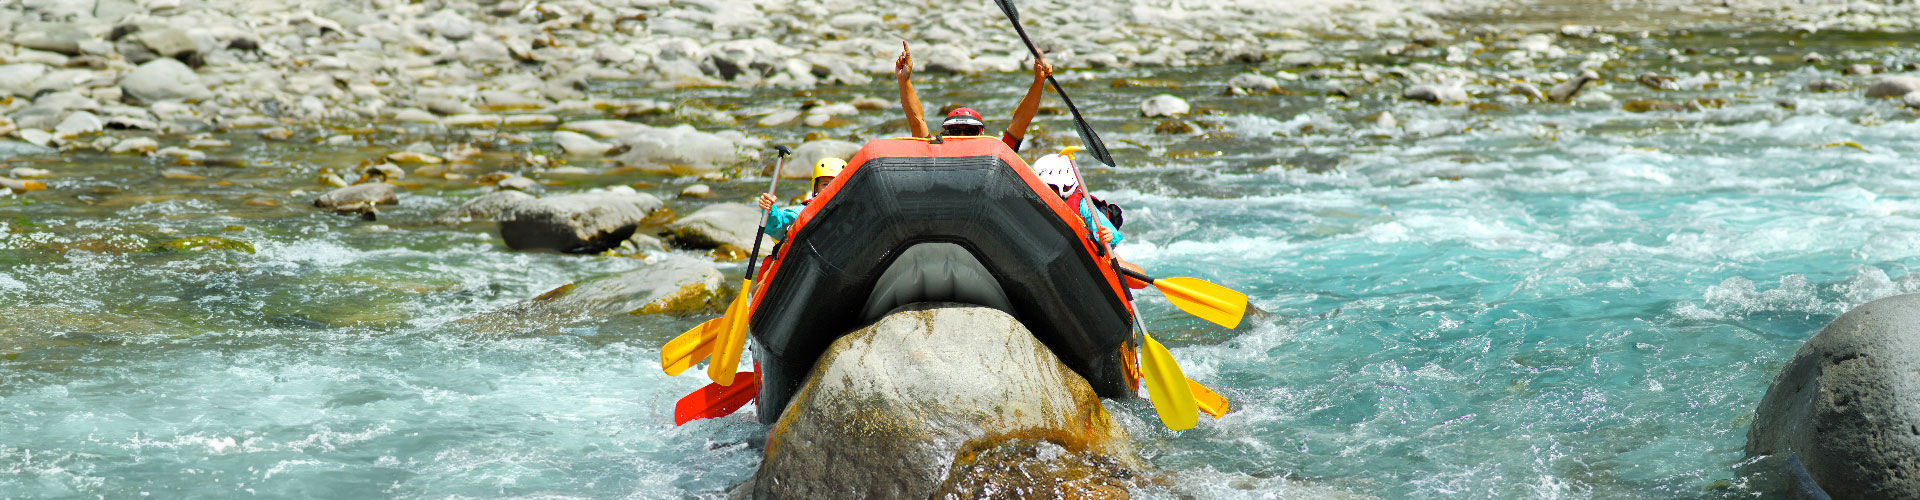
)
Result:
{"points": [[726, 227], [939, 401], [1893, 86], [62, 38], [668, 284], [800, 165], [1567, 90], [18, 79], [1254, 83], [486, 207], [164, 79], [1164, 105], [576, 223], [1436, 94], [359, 199], [1848, 403]]}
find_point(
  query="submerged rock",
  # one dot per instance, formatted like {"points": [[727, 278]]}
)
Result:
{"points": [[923, 404], [359, 199], [1567, 90], [1436, 94], [671, 284], [1893, 86], [1848, 403], [576, 223], [207, 244]]}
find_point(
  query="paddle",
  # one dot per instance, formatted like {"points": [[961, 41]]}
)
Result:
{"points": [[733, 340], [1221, 305], [1166, 385], [699, 342], [715, 400], [1080, 126], [1211, 402]]}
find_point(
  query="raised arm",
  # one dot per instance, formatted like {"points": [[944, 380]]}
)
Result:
{"points": [[909, 101], [1029, 105]]}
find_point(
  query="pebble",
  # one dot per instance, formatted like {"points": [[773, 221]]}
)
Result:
{"points": [[415, 115], [696, 191], [1436, 94], [575, 143], [77, 124], [139, 145], [779, 118], [277, 134]]}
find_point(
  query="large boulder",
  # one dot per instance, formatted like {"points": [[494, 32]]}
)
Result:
{"points": [[669, 284], [682, 150], [576, 223], [1848, 403], [725, 227], [1894, 86], [944, 400], [800, 165], [1164, 105], [164, 79]]}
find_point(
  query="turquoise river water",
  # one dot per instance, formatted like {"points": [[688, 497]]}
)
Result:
{"points": [[1511, 301]]}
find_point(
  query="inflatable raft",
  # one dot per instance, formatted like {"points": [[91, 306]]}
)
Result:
{"points": [[960, 219]]}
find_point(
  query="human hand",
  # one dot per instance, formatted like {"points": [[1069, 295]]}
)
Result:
{"points": [[1105, 235], [1041, 70], [903, 65], [766, 201]]}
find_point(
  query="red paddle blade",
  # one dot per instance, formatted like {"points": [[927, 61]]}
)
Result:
{"points": [[715, 400]]}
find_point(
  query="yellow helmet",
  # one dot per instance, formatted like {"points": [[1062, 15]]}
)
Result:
{"points": [[828, 167]]}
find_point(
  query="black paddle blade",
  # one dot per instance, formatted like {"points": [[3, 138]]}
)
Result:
{"points": [[1007, 7], [1093, 142]]}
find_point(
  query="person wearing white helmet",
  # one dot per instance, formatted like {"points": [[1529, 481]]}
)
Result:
{"points": [[779, 219], [1059, 172]]}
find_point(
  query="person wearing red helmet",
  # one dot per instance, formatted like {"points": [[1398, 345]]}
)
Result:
{"points": [[966, 121]]}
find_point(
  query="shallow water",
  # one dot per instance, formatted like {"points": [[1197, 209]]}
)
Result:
{"points": [[1540, 301]]}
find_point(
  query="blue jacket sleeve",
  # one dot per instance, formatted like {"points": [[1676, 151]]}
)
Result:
{"points": [[779, 220], [1096, 219]]}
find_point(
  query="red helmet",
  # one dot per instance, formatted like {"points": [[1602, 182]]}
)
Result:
{"points": [[963, 116]]}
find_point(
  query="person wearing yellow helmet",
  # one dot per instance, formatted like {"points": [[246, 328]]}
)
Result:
{"points": [[780, 218]]}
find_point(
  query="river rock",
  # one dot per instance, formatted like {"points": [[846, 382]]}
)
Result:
{"points": [[172, 43], [1827, 85], [604, 128], [1567, 90], [63, 38], [1164, 105], [1912, 99], [164, 79], [18, 79], [1893, 86], [579, 144], [1436, 94], [900, 409], [1848, 403], [576, 223], [682, 150], [727, 227], [451, 25], [358, 199], [1254, 83], [800, 165], [77, 124], [668, 284], [486, 207]]}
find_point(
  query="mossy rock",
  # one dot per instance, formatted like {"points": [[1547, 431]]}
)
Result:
{"points": [[207, 244]]}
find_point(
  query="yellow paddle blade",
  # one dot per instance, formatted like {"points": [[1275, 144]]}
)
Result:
{"points": [[1167, 387], [726, 354], [1221, 305], [692, 347], [1211, 402]]}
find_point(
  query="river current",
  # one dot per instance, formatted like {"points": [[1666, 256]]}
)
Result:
{"points": [[1495, 301]]}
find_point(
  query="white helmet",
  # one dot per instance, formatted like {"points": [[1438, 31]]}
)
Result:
{"points": [[1059, 172]]}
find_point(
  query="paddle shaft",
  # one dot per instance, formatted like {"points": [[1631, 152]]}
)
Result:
{"points": [[779, 163], [1094, 144]]}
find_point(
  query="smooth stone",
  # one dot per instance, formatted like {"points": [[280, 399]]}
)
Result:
{"points": [[62, 38], [529, 120], [1893, 86], [451, 25], [576, 223], [1532, 93], [21, 186], [77, 124], [727, 227], [921, 405], [17, 79], [1164, 105], [182, 154], [682, 150], [166, 42], [487, 207], [1436, 94], [164, 79], [1912, 99], [1254, 83], [779, 118], [1827, 86], [696, 191], [446, 106], [1566, 91], [473, 120], [800, 165], [136, 145], [415, 115], [1848, 403], [1859, 70], [358, 196], [575, 143], [604, 128], [30, 173]]}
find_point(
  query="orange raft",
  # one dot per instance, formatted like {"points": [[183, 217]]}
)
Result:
{"points": [[961, 219]]}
